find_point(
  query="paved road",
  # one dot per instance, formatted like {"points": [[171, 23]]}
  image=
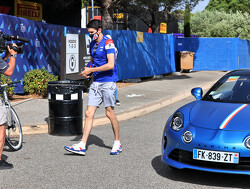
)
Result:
{"points": [[43, 163]]}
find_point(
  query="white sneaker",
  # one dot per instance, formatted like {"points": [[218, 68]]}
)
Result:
{"points": [[76, 148], [117, 148]]}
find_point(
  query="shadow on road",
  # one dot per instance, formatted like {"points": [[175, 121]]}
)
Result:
{"points": [[199, 177], [92, 140], [177, 77], [7, 148]]}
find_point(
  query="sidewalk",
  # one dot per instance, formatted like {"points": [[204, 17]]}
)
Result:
{"points": [[136, 100]]}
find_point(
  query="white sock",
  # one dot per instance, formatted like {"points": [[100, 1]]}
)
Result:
{"points": [[117, 142], [82, 144]]}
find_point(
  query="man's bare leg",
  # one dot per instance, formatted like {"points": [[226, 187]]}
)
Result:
{"points": [[2, 139], [110, 113], [117, 147], [89, 118]]}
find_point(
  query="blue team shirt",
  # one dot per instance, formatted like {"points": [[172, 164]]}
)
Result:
{"points": [[106, 46]]}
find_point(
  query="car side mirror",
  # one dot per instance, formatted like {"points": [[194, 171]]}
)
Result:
{"points": [[197, 93]]}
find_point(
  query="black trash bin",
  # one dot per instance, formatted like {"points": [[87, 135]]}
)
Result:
{"points": [[65, 107]]}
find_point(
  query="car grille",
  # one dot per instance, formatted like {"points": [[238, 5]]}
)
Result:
{"points": [[186, 157]]}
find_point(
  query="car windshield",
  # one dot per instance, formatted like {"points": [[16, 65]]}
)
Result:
{"points": [[232, 89]]}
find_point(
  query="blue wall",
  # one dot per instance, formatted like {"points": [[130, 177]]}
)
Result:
{"points": [[211, 53], [153, 56], [244, 54]]}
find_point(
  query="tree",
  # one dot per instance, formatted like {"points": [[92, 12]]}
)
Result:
{"points": [[229, 5], [220, 24], [187, 17], [153, 12], [107, 10]]}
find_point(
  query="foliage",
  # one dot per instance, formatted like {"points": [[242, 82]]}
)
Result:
{"points": [[220, 24], [178, 14], [152, 13], [84, 3], [36, 81], [6, 79], [229, 5]]}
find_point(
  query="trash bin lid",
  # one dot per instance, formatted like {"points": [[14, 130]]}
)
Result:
{"points": [[65, 87], [66, 82], [187, 52]]}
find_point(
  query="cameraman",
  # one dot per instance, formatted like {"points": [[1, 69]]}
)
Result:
{"points": [[6, 69]]}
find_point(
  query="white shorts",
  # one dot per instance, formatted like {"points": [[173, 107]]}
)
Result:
{"points": [[102, 92], [3, 113]]}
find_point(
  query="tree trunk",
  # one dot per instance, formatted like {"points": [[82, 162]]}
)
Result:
{"points": [[156, 22], [157, 29], [107, 12]]}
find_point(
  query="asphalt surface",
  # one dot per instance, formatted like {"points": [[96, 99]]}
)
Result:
{"points": [[136, 100], [43, 163]]}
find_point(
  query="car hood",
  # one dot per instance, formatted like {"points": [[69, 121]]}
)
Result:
{"points": [[217, 115]]}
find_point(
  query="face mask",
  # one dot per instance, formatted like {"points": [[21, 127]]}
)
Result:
{"points": [[94, 36]]}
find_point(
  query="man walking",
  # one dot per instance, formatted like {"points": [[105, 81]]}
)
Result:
{"points": [[102, 51]]}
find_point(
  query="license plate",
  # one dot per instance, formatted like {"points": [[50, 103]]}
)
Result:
{"points": [[215, 156]]}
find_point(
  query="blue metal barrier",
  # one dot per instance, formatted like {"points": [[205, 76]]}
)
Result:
{"points": [[152, 56], [244, 54], [211, 53]]}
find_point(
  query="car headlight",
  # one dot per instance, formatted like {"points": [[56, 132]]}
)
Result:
{"points": [[247, 142], [187, 137], [177, 121]]}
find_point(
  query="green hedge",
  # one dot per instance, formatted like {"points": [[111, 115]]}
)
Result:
{"points": [[36, 81], [6, 79]]}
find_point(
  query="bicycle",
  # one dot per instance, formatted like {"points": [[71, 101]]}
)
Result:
{"points": [[13, 135]]}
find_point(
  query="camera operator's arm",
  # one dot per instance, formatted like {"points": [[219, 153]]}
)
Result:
{"points": [[12, 62]]}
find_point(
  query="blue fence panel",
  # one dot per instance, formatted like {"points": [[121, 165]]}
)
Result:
{"points": [[44, 48], [211, 53], [153, 56], [244, 54]]}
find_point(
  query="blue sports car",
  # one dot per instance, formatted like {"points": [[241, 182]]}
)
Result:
{"points": [[213, 132]]}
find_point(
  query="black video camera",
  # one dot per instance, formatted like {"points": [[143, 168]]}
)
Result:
{"points": [[3, 42]]}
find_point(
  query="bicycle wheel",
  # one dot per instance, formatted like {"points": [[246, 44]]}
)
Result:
{"points": [[14, 135]]}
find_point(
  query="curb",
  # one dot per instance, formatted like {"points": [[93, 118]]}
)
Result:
{"points": [[43, 129]]}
